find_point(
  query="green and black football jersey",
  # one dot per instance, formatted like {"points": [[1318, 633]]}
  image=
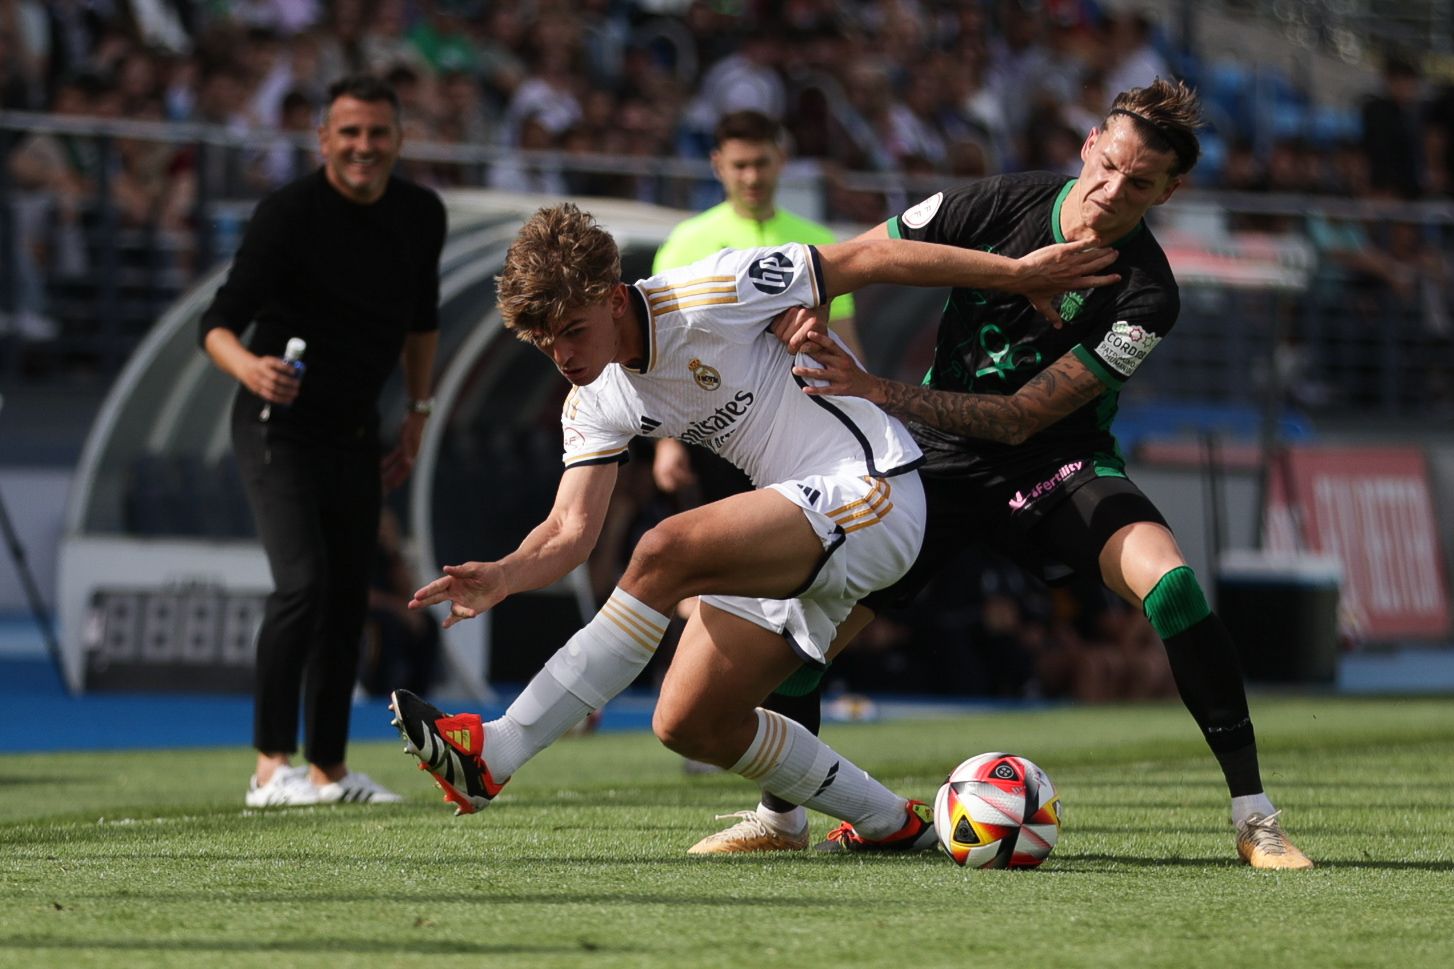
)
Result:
{"points": [[993, 343]]}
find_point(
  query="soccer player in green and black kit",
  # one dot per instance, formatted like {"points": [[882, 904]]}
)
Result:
{"points": [[1015, 415]]}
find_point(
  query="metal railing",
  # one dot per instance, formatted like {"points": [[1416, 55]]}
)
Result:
{"points": [[1342, 340], [1352, 31]]}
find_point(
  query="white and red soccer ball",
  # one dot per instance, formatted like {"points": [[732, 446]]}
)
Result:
{"points": [[997, 811]]}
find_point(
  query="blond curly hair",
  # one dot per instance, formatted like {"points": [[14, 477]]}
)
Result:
{"points": [[561, 260]]}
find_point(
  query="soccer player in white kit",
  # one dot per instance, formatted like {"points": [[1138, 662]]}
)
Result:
{"points": [[837, 511]]}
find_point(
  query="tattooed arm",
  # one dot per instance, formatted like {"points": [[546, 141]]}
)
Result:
{"points": [[1057, 391]]}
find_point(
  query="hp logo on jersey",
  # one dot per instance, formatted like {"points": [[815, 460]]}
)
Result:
{"points": [[772, 273]]}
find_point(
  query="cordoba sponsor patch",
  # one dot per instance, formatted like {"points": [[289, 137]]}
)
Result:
{"points": [[1126, 347]]}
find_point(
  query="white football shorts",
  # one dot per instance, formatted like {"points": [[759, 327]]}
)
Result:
{"points": [[871, 530]]}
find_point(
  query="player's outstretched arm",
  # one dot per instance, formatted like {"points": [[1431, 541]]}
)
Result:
{"points": [[470, 589], [1057, 391], [1042, 282], [1063, 266], [1045, 271], [850, 265], [551, 550]]}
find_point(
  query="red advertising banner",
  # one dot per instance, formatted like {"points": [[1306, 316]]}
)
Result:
{"points": [[1372, 509]]}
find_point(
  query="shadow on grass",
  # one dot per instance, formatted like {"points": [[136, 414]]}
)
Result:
{"points": [[1141, 828], [1285, 778], [431, 900], [1094, 864], [451, 947], [1090, 863], [505, 856], [1376, 864], [28, 780]]}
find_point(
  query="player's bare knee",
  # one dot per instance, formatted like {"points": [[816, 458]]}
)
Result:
{"points": [[674, 727], [659, 570], [662, 725], [692, 733]]}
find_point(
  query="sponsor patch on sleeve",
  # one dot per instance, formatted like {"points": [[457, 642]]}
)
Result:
{"points": [[919, 216], [1126, 347], [772, 273]]}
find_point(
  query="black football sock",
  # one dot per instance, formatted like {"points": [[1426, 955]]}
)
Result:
{"points": [[1208, 677], [1204, 664]]}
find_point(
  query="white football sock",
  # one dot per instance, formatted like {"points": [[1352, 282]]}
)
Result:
{"points": [[783, 822], [787, 760], [597, 663], [542, 712], [1249, 804]]}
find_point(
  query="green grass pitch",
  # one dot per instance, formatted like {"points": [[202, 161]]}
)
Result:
{"points": [[149, 859]]}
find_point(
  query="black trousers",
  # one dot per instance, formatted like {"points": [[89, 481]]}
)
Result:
{"points": [[316, 501]]}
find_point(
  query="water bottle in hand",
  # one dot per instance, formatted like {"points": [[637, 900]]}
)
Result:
{"points": [[293, 357]]}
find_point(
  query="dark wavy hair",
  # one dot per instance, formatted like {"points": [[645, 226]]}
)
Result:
{"points": [[747, 125], [364, 87], [1167, 115]]}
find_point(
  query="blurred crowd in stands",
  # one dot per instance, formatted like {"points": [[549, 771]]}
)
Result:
{"points": [[957, 88], [939, 89]]}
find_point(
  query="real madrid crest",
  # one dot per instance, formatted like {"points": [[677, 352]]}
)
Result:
{"points": [[706, 377]]}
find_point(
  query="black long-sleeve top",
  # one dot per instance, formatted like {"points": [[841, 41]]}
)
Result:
{"points": [[350, 279]]}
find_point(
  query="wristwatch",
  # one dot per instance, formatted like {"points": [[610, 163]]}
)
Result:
{"points": [[425, 406]]}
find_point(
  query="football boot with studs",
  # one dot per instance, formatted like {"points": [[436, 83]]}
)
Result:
{"points": [[917, 834], [1262, 843], [450, 747], [751, 833]]}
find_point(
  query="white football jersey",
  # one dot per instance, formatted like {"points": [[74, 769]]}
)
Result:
{"points": [[716, 376]]}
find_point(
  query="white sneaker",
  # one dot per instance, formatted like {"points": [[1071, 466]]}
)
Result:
{"points": [[356, 788], [288, 787]]}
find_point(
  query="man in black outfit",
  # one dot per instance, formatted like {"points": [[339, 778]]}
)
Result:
{"points": [[346, 258], [1015, 415]]}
